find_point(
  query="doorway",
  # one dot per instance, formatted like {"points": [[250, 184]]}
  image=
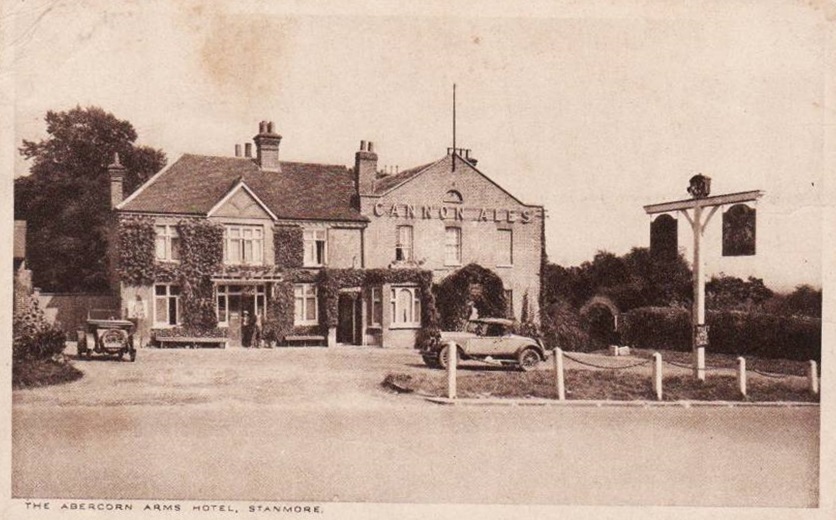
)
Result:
{"points": [[350, 319], [232, 301]]}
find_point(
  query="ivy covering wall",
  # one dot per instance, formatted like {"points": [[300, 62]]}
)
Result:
{"points": [[201, 254], [454, 295], [280, 313], [288, 246]]}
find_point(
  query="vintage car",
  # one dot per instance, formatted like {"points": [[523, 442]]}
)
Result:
{"points": [[109, 336], [486, 339]]}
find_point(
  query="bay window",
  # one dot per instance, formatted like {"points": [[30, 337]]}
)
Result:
{"points": [[406, 307]]}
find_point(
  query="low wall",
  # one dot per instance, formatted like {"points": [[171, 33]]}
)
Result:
{"points": [[69, 310]]}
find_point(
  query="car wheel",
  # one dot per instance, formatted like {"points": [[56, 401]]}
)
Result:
{"points": [[528, 359], [443, 356]]}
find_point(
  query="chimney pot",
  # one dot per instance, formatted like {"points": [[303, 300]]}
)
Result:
{"points": [[248, 150], [267, 147], [237, 150], [362, 146], [371, 147]]}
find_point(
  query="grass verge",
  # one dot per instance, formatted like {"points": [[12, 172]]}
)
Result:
{"points": [[595, 385], [46, 372]]}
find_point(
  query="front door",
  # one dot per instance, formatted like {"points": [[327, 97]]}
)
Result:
{"points": [[350, 319], [233, 300]]}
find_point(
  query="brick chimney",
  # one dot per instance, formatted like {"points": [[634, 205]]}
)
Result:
{"points": [[117, 178], [365, 168], [267, 147]]}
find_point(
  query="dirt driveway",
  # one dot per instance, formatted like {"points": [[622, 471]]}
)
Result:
{"points": [[235, 376]]}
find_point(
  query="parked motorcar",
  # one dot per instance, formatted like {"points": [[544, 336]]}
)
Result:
{"points": [[486, 339], [107, 336]]}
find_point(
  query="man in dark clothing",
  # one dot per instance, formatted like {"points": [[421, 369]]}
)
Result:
{"points": [[246, 330]]}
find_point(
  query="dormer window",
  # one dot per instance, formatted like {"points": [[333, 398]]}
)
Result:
{"points": [[453, 197]]}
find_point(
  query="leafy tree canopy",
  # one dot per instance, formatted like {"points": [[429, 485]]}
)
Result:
{"points": [[66, 199], [633, 280]]}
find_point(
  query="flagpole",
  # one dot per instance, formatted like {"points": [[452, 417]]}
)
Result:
{"points": [[454, 127]]}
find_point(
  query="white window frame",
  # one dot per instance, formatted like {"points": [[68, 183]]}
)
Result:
{"points": [[302, 292], [407, 250], [413, 321], [375, 298], [167, 296], [257, 238], [310, 239], [501, 248], [225, 290], [457, 252], [167, 239]]}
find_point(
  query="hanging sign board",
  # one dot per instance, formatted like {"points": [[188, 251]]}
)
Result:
{"points": [[664, 237], [739, 231]]}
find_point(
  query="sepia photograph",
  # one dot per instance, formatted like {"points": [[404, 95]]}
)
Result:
{"points": [[472, 259]]}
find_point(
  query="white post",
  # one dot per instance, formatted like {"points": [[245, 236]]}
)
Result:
{"points": [[741, 375], [698, 312], [558, 374], [452, 360], [813, 377], [657, 375]]}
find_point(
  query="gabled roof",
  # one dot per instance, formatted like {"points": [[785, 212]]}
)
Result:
{"points": [[391, 183], [385, 184], [194, 184]]}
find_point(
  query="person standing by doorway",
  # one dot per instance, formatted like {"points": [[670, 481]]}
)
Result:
{"points": [[246, 329]]}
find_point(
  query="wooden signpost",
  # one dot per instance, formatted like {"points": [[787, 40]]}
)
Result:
{"points": [[693, 209]]}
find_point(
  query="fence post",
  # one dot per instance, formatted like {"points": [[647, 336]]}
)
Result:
{"points": [[452, 361], [813, 377], [741, 375], [700, 369], [657, 375], [558, 374]]}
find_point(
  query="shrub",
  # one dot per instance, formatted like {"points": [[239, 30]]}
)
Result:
{"points": [[731, 332], [472, 283], [562, 327], [33, 337]]}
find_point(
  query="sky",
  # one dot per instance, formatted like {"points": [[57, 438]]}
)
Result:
{"points": [[591, 109]]}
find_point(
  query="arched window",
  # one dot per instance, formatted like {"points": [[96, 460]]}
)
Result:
{"points": [[453, 197]]}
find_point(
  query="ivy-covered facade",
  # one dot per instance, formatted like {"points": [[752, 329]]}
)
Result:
{"points": [[320, 254]]}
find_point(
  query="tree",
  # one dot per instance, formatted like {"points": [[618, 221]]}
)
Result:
{"points": [[66, 200], [731, 293]]}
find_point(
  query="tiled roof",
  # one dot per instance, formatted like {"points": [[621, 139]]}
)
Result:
{"points": [[385, 184], [195, 183]]}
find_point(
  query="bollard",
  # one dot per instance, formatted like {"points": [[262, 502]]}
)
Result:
{"points": [[699, 367], [657, 375], [741, 375], [558, 374], [813, 377], [452, 361]]}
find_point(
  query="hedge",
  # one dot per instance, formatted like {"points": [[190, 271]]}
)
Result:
{"points": [[730, 332]]}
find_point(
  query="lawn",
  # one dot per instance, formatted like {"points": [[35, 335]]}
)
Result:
{"points": [[582, 384], [45, 372]]}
